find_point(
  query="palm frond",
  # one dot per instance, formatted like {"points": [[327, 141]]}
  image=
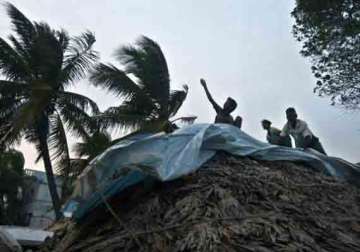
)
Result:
{"points": [[12, 97], [77, 120], [19, 47], [8, 105], [57, 139], [142, 104], [80, 57], [38, 158], [8, 136], [177, 98], [114, 80], [148, 64], [122, 117], [13, 89], [133, 59], [11, 63], [58, 146], [78, 100], [11, 103], [46, 55], [17, 122], [21, 25], [63, 38], [92, 146]]}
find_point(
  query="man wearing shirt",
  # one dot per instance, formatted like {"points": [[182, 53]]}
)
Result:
{"points": [[301, 133]]}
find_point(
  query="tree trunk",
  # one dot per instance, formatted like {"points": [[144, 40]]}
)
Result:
{"points": [[50, 177]]}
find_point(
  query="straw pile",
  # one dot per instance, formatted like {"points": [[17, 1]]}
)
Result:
{"points": [[231, 204]]}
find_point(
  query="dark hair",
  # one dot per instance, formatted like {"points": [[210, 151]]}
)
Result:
{"points": [[290, 110], [238, 121], [266, 121]]}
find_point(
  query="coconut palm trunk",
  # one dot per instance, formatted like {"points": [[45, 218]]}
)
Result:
{"points": [[50, 175]]}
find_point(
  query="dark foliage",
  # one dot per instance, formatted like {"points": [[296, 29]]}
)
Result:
{"points": [[11, 182], [330, 34]]}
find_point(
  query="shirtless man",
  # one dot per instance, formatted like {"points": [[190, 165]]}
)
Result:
{"points": [[273, 135], [223, 114]]}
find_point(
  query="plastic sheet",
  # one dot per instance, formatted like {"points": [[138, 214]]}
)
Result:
{"points": [[167, 157]]}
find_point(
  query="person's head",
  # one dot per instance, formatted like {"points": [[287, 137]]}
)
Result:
{"points": [[266, 124], [238, 122], [291, 115], [229, 105], [170, 127]]}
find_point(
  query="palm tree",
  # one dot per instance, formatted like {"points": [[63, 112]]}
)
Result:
{"points": [[91, 146], [143, 83], [38, 64]]}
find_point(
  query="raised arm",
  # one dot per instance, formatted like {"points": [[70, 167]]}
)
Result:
{"points": [[212, 101]]}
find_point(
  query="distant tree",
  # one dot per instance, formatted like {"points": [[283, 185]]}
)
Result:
{"points": [[91, 146], [11, 182], [38, 64], [144, 86], [330, 34]]}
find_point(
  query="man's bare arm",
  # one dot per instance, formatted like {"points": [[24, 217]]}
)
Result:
{"points": [[285, 131], [212, 101]]}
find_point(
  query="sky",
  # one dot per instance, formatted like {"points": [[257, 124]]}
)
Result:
{"points": [[243, 48]]}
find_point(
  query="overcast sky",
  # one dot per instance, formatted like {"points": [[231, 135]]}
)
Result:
{"points": [[243, 48]]}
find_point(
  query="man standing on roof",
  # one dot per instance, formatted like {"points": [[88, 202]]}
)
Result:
{"points": [[301, 133], [223, 114], [273, 135]]}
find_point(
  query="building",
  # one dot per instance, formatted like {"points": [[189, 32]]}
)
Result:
{"points": [[38, 208]]}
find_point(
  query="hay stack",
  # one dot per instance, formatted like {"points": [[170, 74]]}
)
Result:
{"points": [[232, 204]]}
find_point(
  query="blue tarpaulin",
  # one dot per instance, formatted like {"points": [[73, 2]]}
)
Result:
{"points": [[169, 156]]}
